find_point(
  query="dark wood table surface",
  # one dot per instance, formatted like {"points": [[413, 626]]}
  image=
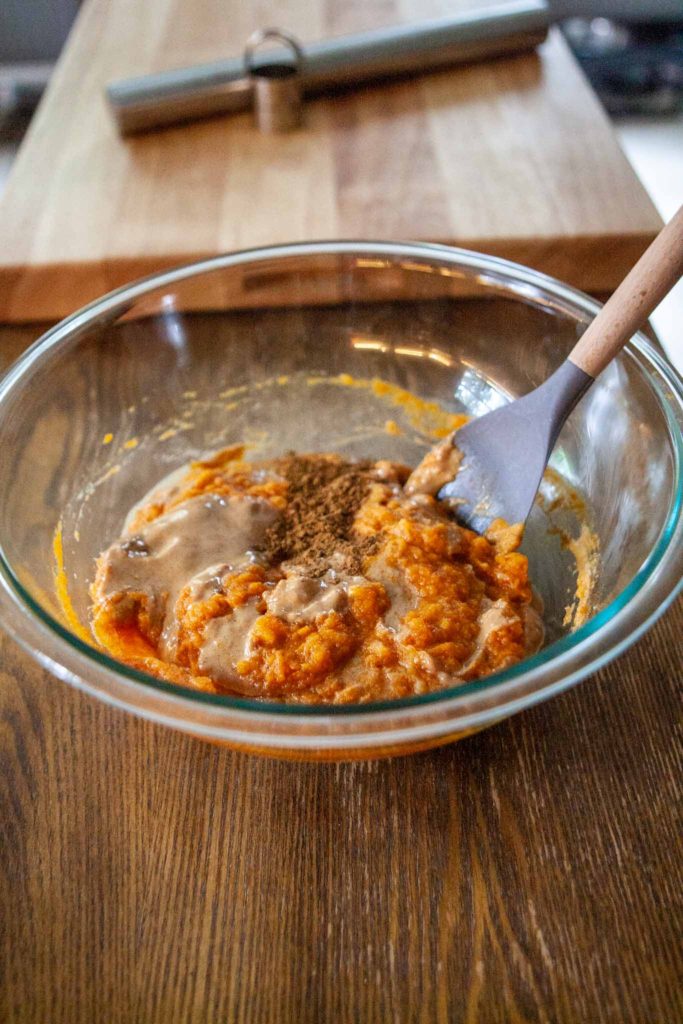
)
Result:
{"points": [[529, 873]]}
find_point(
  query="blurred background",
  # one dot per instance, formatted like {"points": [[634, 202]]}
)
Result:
{"points": [[631, 51]]}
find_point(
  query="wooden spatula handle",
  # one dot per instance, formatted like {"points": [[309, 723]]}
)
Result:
{"points": [[655, 274]]}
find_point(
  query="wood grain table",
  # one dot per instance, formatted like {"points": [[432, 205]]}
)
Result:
{"points": [[529, 873], [514, 157]]}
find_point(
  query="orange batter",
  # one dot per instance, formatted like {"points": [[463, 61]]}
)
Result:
{"points": [[311, 579]]}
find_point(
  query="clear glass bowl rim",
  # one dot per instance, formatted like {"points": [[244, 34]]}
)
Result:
{"points": [[492, 270]]}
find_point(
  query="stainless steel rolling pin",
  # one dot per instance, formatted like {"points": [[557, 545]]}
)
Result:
{"points": [[184, 94]]}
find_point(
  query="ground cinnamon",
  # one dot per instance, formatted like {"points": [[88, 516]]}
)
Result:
{"points": [[324, 494]]}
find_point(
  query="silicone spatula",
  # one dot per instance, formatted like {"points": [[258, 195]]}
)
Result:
{"points": [[505, 452]]}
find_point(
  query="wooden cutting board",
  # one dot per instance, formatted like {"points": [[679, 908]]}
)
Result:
{"points": [[514, 157]]}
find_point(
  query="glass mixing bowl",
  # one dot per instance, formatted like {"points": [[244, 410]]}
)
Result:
{"points": [[250, 346]]}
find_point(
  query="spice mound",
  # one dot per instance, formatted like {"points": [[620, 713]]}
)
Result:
{"points": [[311, 579]]}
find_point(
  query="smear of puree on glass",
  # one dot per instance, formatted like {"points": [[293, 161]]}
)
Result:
{"points": [[311, 578]]}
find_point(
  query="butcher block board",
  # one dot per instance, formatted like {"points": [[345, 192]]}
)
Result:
{"points": [[514, 157]]}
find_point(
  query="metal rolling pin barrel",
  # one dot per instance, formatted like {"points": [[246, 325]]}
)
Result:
{"points": [[184, 94]]}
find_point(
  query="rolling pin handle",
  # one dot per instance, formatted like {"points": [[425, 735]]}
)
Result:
{"points": [[278, 95]]}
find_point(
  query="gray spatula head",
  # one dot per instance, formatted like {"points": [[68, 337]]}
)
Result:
{"points": [[505, 452]]}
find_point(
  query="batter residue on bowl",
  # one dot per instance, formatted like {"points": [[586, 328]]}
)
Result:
{"points": [[309, 578]]}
